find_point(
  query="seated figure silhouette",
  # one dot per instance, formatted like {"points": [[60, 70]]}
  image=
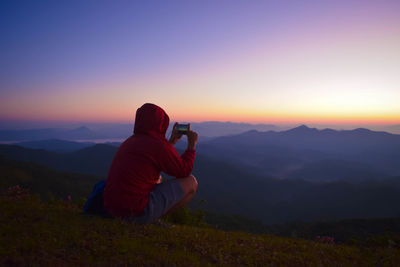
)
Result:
{"points": [[134, 189]]}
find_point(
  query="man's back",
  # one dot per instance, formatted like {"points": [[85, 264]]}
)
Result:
{"points": [[133, 173], [136, 167]]}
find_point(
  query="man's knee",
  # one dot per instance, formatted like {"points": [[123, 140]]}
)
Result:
{"points": [[188, 184], [194, 183]]}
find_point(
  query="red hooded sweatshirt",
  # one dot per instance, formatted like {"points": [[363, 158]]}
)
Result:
{"points": [[136, 167]]}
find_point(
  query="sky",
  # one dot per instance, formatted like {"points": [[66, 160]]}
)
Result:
{"points": [[315, 62]]}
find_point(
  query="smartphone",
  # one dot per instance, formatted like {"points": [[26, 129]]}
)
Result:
{"points": [[182, 128]]}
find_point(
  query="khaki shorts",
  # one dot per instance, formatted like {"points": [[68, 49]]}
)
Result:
{"points": [[163, 197]]}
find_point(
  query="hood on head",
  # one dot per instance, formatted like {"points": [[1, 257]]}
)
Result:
{"points": [[152, 120]]}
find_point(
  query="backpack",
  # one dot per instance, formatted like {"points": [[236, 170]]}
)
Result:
{"points": [[94, 203]]}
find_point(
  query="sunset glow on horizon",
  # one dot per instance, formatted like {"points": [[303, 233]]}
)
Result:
{"points": [[332, 62]]}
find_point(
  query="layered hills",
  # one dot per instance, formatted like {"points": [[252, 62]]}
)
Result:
{"points": [[311, 154], [232, 189]]}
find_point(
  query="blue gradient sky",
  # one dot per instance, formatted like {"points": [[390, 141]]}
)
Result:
{"points": [[254, 61]]}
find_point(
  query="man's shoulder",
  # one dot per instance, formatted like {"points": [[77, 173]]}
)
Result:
{"points": [[143, 140]]}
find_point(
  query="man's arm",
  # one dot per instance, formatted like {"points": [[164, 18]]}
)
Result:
{"points": [[170, 161], [173, 164]]}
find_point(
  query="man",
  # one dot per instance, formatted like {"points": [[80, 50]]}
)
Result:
{"points": [[133, 189]]}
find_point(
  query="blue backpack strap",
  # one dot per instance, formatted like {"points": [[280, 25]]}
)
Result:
{"points": [[94, 203]]}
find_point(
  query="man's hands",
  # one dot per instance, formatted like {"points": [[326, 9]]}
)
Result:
{"points": [[191, 136], [175, 135], [192, 139]]}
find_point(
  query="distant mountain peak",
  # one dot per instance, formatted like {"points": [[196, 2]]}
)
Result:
{"points": [[362, 130], [302, 129]]}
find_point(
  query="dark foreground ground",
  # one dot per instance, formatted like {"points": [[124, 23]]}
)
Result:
{"points": [[56, 233]]}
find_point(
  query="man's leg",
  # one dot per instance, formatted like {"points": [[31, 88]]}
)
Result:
{"points": [[167, 197], [189, 187]]}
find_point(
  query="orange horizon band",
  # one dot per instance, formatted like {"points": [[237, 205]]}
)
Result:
{"points": [[237, 119]]}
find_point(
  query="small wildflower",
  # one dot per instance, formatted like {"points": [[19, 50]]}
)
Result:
{"points": [[16, 192]]}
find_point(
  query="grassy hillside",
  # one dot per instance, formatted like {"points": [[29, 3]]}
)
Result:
{"points": [[46, 182], [57, 233], [93, 160]]}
